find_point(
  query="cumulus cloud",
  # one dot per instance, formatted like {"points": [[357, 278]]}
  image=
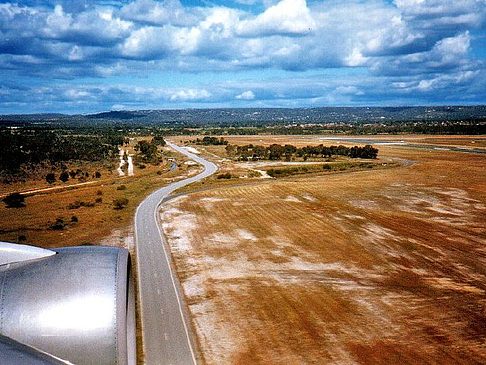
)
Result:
{"points": [[246, 95], [404, 46], [189, 94], [157, 13], [288, 17]]}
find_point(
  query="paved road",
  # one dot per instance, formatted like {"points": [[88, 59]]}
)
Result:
{"points": [[166, 335]]}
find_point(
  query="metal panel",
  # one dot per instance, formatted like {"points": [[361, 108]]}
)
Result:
{"points": [[72, 305], [15, 353], [13, 252]]}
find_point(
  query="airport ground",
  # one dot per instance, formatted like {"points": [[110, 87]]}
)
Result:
{"points": [[369, 266], [381, 266]]}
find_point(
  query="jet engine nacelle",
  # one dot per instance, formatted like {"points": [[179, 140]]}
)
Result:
{"points": [[75, 304]]}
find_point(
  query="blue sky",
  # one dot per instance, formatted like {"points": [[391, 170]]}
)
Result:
{"points": [[97, 55]]}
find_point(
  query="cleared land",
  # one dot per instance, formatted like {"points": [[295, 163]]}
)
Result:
{"points": [[371, 267]]}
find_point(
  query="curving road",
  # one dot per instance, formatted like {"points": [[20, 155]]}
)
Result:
{"points": [[167, 335]]}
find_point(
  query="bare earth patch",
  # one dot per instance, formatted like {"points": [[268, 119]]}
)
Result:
{"points": [[371, 267]]}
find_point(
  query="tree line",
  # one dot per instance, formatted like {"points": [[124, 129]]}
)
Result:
{"points": [[207, 141], [33, 146], [252, 152]]}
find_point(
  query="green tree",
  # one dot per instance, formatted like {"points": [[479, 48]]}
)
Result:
{"points": [[51, 178], [14, 200], [64, 176], [120, 203]]}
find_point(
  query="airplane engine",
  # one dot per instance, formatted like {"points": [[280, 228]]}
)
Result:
{"points": [[74, 305]]}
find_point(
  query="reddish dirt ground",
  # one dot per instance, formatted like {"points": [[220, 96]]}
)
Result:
{"points": [[370, 267]]}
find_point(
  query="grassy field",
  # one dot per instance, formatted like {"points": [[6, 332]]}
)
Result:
{"points": [[381, 266], [96, 221]]}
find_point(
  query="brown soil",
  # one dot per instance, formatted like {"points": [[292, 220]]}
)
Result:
{"points": [[371, 267]]}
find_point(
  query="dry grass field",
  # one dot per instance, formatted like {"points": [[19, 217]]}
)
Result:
{"points": [[383, 266], [96, 222]]}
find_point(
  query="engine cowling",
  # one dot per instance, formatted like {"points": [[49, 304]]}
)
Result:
{"points": [[74, 303]]}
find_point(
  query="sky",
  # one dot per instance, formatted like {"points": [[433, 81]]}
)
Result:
{"points": [[89, 56]]}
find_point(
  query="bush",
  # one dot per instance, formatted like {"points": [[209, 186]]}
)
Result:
{"points": [[99, 200], [99, 192], [77, 204], [120, 203], [121, 187], [50, 178], [224, 176], [58, 225], [74, 219], [64, 176], [97, 174], [74, 205], [327, 167], [14, 200]]}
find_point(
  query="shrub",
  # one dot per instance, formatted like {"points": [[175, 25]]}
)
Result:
{"points": [[99, 192], [120, 203], [224, 176], [14, 200], [58, 225], [74, 205], [121, 187], [99, 200], [64, 176], [327, 167], [74, 219], [97, 174], [50, 178], [77, 204]]}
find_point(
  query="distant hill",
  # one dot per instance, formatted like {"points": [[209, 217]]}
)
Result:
{"points": [[265, 116]]}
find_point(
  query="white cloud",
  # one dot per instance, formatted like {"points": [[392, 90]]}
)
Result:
{"points": [[157, 13], [148, 42], [291, 17], [189, 95], [406, 46], [246, 95]]}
